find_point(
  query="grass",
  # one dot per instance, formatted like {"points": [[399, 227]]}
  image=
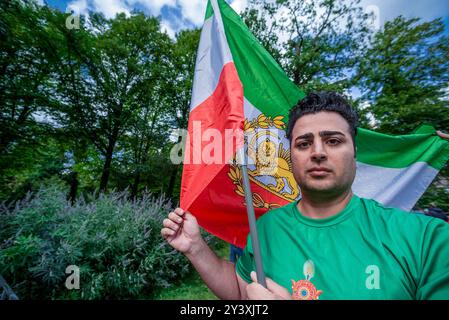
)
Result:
{"points": [[193, 287]]}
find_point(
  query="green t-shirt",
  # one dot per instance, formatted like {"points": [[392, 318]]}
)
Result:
{"points": [[366, 251]]}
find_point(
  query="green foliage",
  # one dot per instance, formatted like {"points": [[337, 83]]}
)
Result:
{"points": [[318, 43], [26, 168], [193, 287], [26, 62], [404, 76], [105, 96], [115, 242], [437, 194]]}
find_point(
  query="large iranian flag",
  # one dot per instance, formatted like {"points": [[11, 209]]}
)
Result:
{"points": [[239, 86]]}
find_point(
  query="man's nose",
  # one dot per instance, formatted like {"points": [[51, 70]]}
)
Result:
{"points": [[318, 152]]}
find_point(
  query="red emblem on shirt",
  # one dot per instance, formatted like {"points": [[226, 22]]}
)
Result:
{"points": [[304, 289]]}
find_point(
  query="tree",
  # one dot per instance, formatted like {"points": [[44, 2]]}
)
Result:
{"points": [[146, 136], [404, 76], [111, 73], [179, 91], [27, 60], [318, 43], [25, 72]]}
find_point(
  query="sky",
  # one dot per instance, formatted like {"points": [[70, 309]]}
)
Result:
{"points": [[177, 15]]}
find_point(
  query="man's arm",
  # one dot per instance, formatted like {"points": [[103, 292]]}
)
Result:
{"points": [[182, 232], [218, 274]]}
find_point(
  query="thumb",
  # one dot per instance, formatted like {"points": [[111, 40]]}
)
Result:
{"points": [[273, 287], [254, 276], [189, 216]]}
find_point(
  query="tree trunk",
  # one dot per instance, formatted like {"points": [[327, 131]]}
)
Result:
{"points": [[171, 184], [107, 163], [106, 170], [73, 186], [135, 187]]}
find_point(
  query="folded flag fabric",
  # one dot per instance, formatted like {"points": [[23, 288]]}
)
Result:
{"points": [[396, 170], [239, 87]]}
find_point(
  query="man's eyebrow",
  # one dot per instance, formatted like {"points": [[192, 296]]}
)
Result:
{"points": [[330, 133], [306, 136], [326, 133]]}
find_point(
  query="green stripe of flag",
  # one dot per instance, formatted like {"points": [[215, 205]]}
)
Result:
{"points": [[265, 85], [209, 11], [401, 151]]}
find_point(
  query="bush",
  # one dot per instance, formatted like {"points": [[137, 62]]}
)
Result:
{"points": [[115, 242]]}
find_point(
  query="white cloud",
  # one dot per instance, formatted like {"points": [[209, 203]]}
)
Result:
{"points": [[111, 7], [154, 6], [239, 5], [165, 26], [78, 7], [108, 7], [193, 10], [427, 10]]}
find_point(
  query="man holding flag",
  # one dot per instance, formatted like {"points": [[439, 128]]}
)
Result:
{"points": [[354, 248], [351, 247]]}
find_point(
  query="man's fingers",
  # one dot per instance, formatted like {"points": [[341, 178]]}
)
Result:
{"points": [[170, 224], [179, 212], [174, 217], [165, 232], [278, 289], [273, 286], [255, 291], [443, 135]]}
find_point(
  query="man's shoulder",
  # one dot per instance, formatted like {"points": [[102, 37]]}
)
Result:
{"points": [[396, 216], [376, 207]]}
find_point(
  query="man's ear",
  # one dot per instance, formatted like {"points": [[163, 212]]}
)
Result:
{"points": [[355, 152]]}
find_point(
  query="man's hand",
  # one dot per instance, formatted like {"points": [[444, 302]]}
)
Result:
{"points": [[181, 230], [256, 291], [443, 135]]}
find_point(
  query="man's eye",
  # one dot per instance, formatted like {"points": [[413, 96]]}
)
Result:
{"points": [[303, 145], [333, 142]]}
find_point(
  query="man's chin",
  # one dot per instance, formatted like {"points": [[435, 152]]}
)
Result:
{"points": [[321, 187]]}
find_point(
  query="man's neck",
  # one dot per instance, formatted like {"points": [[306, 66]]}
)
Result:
{"points": [[323, 208]]}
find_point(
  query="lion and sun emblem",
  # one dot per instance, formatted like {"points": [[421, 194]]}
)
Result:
{"points": [[269, 163]]}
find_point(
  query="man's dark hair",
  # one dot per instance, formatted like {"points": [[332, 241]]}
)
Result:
{"points": [[323, 101]]}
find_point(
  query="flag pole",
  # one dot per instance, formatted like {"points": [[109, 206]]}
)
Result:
{"points": [[242, 161]]}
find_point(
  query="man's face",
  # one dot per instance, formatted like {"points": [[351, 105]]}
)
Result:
{"points": [[322, 154]]}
